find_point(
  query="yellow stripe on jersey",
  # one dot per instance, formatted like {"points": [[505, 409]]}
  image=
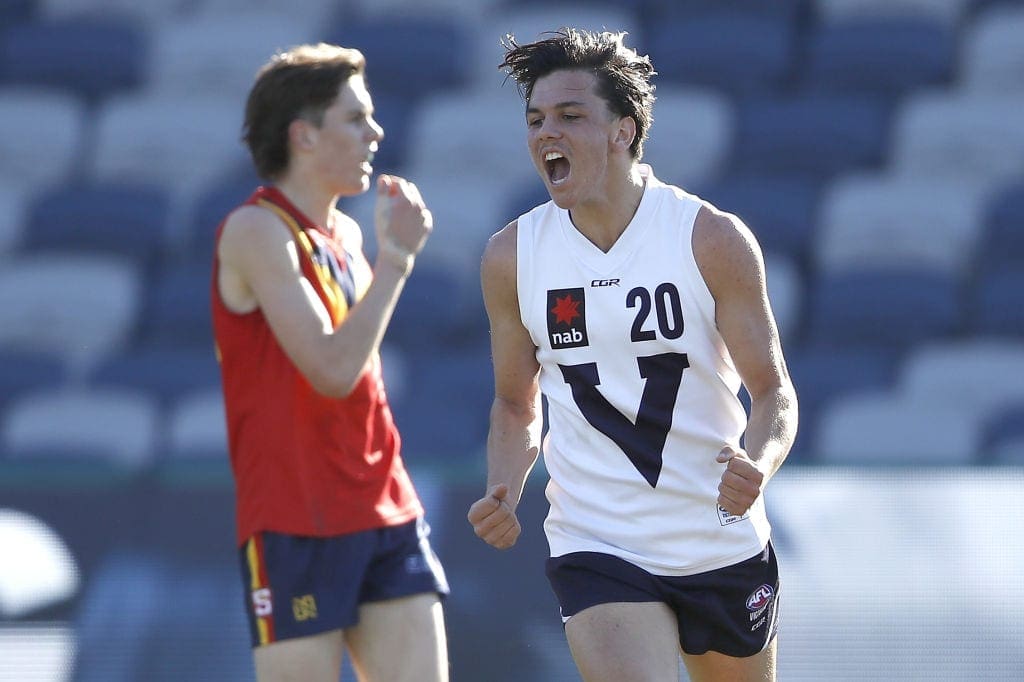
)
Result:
{"points": [[338, 306]]}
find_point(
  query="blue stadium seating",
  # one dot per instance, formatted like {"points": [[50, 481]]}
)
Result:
{"points": [[166, 372], [734, 51], [398, 49], [1003, 239], [177, 309], [93, 57], [26, 370], [997, 307], [123, 219], [895, 308], [780, 209], [1003, 437], [813, 134], [890, 56]]}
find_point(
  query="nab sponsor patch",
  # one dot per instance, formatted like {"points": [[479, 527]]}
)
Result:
{"points": [[567, 318]]}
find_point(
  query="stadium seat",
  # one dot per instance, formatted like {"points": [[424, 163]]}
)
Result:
{"points": [[880, 55], [890, 221], [398, 47], [822, 374], [181, 142], [26, 370], [812, 134], [13, 12], [168, 373], [964, 135], [691, 136], [734, 51], [785, 293], [993, 54], [376, 9], [897, 307], [92, 57], [142, 612], [885, 428], [78, 306], [1003, 436], [153, 13], [453, 430], [996, 306], [1002, 242], [126, 220], [432, 310], [219, 55], [948, 12], [527, 23], [177, 310], [465, 211], [977, 376], [780, 209], [117, 426], [14, 201], [41, 137], [211, 206], [478, 134], [196, 427]]}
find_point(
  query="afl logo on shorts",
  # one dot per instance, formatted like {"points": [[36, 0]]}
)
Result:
{"points": [[760, 598], [567, 318]]}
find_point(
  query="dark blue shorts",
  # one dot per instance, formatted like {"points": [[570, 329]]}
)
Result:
{"points": [[299, 586], [732, 610]]}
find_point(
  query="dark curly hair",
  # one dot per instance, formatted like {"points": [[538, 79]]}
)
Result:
{"points": [[623, 76]]}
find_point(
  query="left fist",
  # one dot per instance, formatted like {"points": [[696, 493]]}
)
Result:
{"points": [[741, 481]]}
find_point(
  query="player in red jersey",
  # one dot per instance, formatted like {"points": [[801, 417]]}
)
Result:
{"points": [[333, 546]]}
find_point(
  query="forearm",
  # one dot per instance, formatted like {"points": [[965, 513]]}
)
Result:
{"points": [[772, 427], [513, 444]]}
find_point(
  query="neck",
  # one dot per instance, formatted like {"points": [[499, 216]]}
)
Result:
{"points": [[603, 219], [310, 198]]}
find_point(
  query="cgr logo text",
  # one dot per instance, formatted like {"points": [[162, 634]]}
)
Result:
{"points": [[604, 282]]}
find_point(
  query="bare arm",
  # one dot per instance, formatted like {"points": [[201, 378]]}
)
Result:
{"points": [[513, 441], [733, 267], [260, 268]]}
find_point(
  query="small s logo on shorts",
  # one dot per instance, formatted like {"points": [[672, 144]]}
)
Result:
{"points": [[262, 604]]}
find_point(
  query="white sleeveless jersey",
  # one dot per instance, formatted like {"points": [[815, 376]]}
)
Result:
{"points": [[641, 390]]}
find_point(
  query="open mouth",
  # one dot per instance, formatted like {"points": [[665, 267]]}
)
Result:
{"points": [[557, 167]]}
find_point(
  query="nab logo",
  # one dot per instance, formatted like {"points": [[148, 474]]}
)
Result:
{"points": [[760, 597], [604, 282], [567, 318]]}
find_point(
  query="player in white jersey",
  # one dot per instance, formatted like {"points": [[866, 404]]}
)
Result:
{"points": [[637, 310]]}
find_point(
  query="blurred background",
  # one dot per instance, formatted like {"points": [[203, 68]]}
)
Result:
{"points": [[876, 148]]}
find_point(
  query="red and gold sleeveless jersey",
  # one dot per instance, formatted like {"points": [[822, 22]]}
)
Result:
{"points": [[305, 463]]}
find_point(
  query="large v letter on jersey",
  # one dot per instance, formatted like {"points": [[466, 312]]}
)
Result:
{"points": [[644, 441]]}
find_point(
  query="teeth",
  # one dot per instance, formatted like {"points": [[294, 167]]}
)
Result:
{"points": [[551, 156]]}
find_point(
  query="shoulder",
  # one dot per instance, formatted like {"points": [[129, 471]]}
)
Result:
{"points": [[725, 249], [500, 252], [252, 232]]}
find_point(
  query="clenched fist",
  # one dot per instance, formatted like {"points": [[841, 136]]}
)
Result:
{"points": [[493, 518]]}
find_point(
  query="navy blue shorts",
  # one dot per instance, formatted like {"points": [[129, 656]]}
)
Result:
{"points": [[298, 586], [732, 610]]}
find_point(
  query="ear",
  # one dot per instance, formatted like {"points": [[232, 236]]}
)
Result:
{"points": [[302, 134], [625, 133]]}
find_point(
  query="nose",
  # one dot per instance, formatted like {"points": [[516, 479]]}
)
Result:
{"points": [[375, 131]]}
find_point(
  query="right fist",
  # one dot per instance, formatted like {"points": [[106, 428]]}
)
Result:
{"points": [[403, 222], [493, 519]]}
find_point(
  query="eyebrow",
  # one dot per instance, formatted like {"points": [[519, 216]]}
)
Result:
{"points": [[560, 105]]}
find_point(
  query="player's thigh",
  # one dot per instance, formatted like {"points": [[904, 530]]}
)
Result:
{"points": [[400, 640], [717, 667], [625, 642], [316, 658]]}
